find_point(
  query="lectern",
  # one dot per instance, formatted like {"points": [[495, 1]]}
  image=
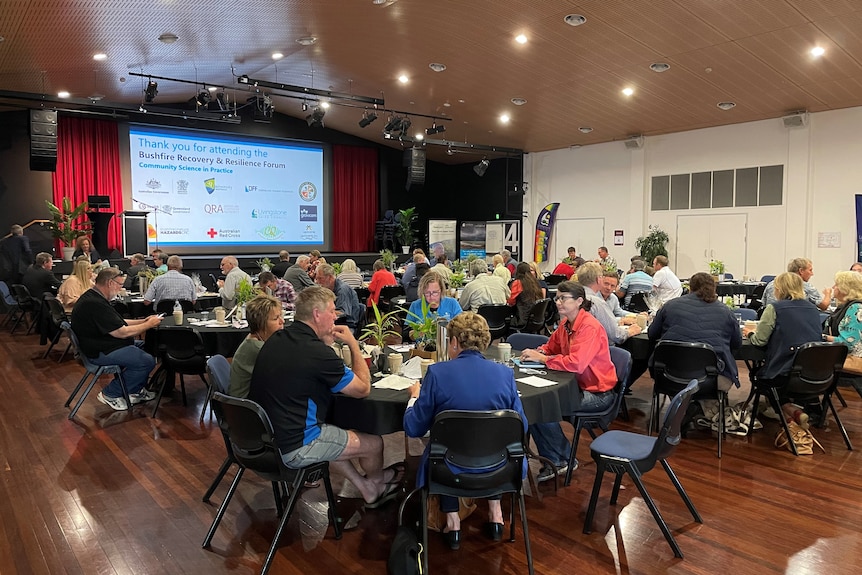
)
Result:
{"points": [[134, 233]]}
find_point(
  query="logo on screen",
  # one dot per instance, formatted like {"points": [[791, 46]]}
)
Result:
{"points": [[210, 185], [213, 208], [182, 186], [154, 184], [307, 191], [270, 233], [168, 209], [308, 213], [250, 189]]}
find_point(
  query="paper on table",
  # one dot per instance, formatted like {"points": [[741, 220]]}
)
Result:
{"points": [[537, 381], [412, 368], [395, 382], [402, 348]]}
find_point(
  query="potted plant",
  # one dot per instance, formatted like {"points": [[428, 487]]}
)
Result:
{"points": [[337, 268], [424, 331], [245, 292], [653, 244], [388, 258], [265, 264], [380, 327], [63, 227], [405, 228], [716, 268], [147, 275]]}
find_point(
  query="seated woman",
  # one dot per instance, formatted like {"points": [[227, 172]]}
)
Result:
{"points": [[265, 318], [350, 274], [76, 284], [468, 382], [787, 323], [525, 293], [701, 317], [432, 286], [500, 269], [845, 323], [382, 277], [579, 345], [84, 247], [537, 273]]}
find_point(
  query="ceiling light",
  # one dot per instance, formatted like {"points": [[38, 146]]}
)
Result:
{"points": [[306, 40], [367, 118], [481, 167], [151, 91], [100, 56], [435, 129], [403, 78], [726, 105], [324, 105], [212, 88], [585, 129], [419, 136], [315, 118], [277, 55], [628, 91], [504, 118], [519, 101], [437, 67], [521, 39], [818, 51], [168, 38], [575, 19], [659, 67], [379, 2], [63, 94]]}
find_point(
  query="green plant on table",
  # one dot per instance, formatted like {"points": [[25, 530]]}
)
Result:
{"points": [[380, 327], [424, 327], [456, 280], [388, 258], [265, 264], [245, 292], [716, 267], [337, 268]]}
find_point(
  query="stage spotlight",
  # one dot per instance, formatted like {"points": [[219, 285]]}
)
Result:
{"points": [[435, 129], [151, 91], [203, 99], [223, 101], [481, 167], [315, 118], [392, 125], [367, 118], [405, 125]]}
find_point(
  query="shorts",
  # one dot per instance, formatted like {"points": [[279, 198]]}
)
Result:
{"points": [[328, 446]]}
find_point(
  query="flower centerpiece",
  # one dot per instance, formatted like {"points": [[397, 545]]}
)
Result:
{"points": [[265, 264]]}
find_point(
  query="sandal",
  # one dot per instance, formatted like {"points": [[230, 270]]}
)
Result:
{"points": [[388, 495], [398, 468]]}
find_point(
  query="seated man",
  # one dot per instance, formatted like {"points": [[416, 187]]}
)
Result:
{"points": [[297, 274], [139, 264], [297, 410], [279, 288], [228, 286], [590, 277], [159, 260], [39, 278], [636, 281], [605, 260], [346, 301], [282, 264], [172, 285], [107, 339], [804, 269], [665, 284], [483, 288], [610, 281]]}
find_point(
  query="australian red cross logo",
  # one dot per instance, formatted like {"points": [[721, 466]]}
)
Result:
{"points": [[212, 233]]}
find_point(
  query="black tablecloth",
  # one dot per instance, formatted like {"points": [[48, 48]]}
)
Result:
{"points": [[217, 340], [137, 308], [732, 288]]}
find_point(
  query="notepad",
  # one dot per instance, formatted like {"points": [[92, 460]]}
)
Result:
{"points": [[529, 364]]}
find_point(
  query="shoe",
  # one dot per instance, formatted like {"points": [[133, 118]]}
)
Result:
{"points": [[115, 403], [142, 396], [547, 472], [453, 539], [494, 531], [801, 418], [390, 493]]}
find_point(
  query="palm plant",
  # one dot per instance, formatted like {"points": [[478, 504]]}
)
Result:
{"points": [[62, 223], [424, 327], [381, 327]]}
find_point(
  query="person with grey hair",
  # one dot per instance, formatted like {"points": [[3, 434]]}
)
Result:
{"points": [[804, 268], [172, 285], [346, 300], [108, 339], [39, 278], [282, 264], [139, 264], [508, 261], [297, 274], [483, 289], [636, 281], [17, 255], [233, 277]]}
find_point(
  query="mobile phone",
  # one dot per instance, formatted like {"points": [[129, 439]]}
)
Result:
{"points": [[161, 315]]}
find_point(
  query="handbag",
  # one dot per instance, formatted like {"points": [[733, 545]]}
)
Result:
{"points": [[437, 519], [853, 364], [405, 555], [802, 438]]}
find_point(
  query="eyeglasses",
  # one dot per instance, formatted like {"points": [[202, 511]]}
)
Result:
{"points": [[560, 298], [119, 283], [431, 293]]}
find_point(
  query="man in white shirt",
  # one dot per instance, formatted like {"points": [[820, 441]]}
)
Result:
{"points": [[665, 284], [228, 286], [483, 289]]}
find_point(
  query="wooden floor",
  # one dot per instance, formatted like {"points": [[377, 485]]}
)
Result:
{"points": [[113, 494]]}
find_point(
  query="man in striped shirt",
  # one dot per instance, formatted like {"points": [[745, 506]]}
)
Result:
{"points": [[172, 285]]}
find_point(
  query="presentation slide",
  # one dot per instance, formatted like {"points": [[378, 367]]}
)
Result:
{"points": [[224, 193]]}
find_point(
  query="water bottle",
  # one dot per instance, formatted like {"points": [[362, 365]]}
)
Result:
{"points": [[178, 313]]}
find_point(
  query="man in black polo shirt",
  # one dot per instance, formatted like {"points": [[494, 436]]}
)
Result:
{"points": [[39, 278], [294, 378], [108, 339]]}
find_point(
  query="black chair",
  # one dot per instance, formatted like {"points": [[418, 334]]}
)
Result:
{"points": [[497, 316], [362, 293], [554, 279], [812, 376], [387, 294], [675, 363], [624, 452], [96, 371], [26, 304], [58, 316], [638, 303], [536, 318], [766, 279], [477, 440], [622, 360], [755, 300], [166, 306], [522, 341], [253, 445], [9, 303], [182, 352]]}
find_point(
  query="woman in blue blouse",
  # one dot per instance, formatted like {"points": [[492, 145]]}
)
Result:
{"points": [[845, 323], [432, 288], [469, 382]]}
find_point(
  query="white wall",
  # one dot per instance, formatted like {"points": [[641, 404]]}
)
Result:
{"points": [[823, 171]]}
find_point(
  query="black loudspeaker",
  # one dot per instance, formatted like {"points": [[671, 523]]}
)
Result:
{"points": [[416, 168], [43, 140]]}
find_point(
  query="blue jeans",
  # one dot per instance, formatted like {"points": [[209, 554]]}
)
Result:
{"points": [[550, 440], [136, 363]]}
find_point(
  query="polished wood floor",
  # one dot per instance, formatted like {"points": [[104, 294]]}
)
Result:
{"points": [[110, 493]]}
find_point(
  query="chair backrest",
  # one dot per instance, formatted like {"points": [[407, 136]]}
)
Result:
{"points": [[622, 360], [362, 293], [522, 341], [8, 298], [249, 430], [67, 327], [166, 306], [638, 302], [554, 279], [389, 292], [58, 312], [747, 313], [814, 367], [180, 343], [489, 445], [767, 279], [681, 361], [536, 319], [22, 296], [219, 371], [495, 314], [669, 434]]}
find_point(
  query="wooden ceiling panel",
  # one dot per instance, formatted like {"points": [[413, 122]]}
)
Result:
{"points": [[735, 19], [818, 9], [846, 32], [835, 94]]}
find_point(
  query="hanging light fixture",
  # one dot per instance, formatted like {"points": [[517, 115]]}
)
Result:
{"points": [[151, 91], [481, 167]]}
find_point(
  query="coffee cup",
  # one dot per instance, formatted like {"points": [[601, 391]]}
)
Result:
{"points": [[345, 355], [178, 317], [219, 314], [641, 321], [505, 351], [395, 361], [423, 366]]}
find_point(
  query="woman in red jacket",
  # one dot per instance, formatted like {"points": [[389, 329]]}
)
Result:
{"points": [[382, 277]]}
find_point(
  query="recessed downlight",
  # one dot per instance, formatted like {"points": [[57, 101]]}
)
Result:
{"points": [[628, 91], [659, 67], [585, 129], [277, 55], [403, 78], [574, 19], [818, 51], [519, 101], [437, 66], [726, 105], [504, 118], [63, 94], [100, 56], [521, 39], [306, 40], [168, 38]]}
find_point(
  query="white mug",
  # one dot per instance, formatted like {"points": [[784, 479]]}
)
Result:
{"points": [[505, 351]]}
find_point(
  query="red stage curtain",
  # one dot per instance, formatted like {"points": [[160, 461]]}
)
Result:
{"points": [[355, 198], [88, 163]]}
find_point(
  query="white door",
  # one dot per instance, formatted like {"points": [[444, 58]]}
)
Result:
{"points": [[701, 238], [586, 235]]}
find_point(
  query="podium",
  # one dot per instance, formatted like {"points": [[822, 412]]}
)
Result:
{"points": [[135, 233], [100, 230]]}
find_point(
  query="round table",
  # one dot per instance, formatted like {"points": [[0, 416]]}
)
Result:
{"points": [[217, 340]]}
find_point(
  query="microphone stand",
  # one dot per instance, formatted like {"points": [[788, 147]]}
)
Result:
{"points": [[155, 212]]}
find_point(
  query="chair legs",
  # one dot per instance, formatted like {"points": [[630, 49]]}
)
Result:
{"points": [[54, 341], [228, 461], [93, 380]]}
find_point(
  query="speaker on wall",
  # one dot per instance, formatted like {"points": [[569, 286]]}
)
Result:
{"points": [[43, 140], [416, 168]]}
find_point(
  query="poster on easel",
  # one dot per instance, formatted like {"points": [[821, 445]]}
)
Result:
{"points": [[472, 240], [443, 233]]}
